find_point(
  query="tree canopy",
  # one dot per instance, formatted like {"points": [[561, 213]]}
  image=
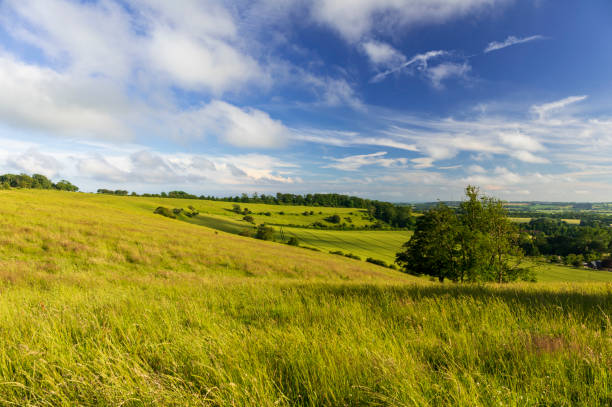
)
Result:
{"points": [[36, 181], [477, 242]]}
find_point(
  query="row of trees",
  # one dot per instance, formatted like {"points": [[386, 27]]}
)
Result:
{"points": [[36, 181], [397, 216], [476, 242], [545, 236]]}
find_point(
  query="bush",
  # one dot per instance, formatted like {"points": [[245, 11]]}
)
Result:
{"points": [[246, 232], [338, 252], [163, 211], [377, 262], [248, 218], [264, 232], [293, 241], [333, 219], [352, 256], [177, 211]]}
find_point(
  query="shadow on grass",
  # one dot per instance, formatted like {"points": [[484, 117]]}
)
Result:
{"points": [[592, 302]]}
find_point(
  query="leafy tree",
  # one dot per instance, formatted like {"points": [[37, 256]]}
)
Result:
{"points": [[264, 232], [64, 185], [333, 218], [476, 243], [432, 250]]}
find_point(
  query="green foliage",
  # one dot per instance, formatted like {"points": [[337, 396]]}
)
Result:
{"points": [[64, 185], [377, 262], [335, 218], [36, 181], [248, 218], [476, 243], [246, 233], [293, 241], [575, 260], [264, 232], [162, 210]]}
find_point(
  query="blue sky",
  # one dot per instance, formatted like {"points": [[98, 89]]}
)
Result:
{"points": [[401, 100]]}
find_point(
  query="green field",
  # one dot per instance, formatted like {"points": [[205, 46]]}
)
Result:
{"points": [[381, 245], [104, 303]]}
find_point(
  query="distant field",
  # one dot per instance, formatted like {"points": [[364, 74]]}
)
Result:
{"points": [[382, 245], [104, 303], [526, 220]]}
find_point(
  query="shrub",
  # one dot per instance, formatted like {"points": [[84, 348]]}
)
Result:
{"points": [[246, 232], [293, 241], [163, 211], [377, 262], [264, 232], [352, 256], [268, 213], [338, 252], [333, 219], [236, 208], [177, 211], [248, 218]]}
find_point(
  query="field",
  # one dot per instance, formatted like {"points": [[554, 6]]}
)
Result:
{"points": [[104, 303]]}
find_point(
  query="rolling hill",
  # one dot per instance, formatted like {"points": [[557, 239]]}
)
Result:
{"points": [[104, 303]]}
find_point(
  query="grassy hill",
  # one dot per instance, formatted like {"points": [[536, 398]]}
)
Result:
{"points": [[104, 303]]}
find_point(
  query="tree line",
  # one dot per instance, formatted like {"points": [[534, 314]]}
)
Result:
{"points": [[36, 181], [397, 216], [544, 236]]}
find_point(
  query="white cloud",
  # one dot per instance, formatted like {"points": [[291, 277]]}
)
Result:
{"points": [[476, 169], [34, 162], [439, 73], [244, 127], [520, 141], [355, 18], [544, 109], [382, 54], [42, 99], [528, 157], [420, 61], [195, 63], [355, 162], [510, 41]]}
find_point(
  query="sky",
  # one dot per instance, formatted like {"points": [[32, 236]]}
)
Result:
{"points": [[399, 100]]}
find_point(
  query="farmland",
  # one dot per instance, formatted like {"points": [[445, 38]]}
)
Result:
{"points": [[105, 303]]}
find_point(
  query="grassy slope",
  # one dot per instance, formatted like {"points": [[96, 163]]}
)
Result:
{"points": [[103, 303]]}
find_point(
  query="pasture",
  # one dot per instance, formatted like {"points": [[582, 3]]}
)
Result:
{"points": [[104, 303]]}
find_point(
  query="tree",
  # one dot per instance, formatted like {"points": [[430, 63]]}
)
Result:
{"points": [[476, 243], [432, 250], [264, 232], [64, 185]]}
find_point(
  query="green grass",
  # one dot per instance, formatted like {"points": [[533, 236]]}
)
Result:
{"points": [[104, 303], [381, 245]]}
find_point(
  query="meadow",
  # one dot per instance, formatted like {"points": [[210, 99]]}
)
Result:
{"points": [[104, 303]]}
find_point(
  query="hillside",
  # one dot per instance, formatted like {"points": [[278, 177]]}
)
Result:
{"points": [[104, 303]]}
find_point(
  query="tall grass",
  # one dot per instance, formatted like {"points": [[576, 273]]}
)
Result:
{"points": [[102, 303]]}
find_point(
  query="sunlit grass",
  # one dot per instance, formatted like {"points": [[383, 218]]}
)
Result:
{"points": [[104, 303]]}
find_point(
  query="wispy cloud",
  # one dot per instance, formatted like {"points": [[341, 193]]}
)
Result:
{"points": [[542, 110], [419, 61], [355, 162], [510, 41]]}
